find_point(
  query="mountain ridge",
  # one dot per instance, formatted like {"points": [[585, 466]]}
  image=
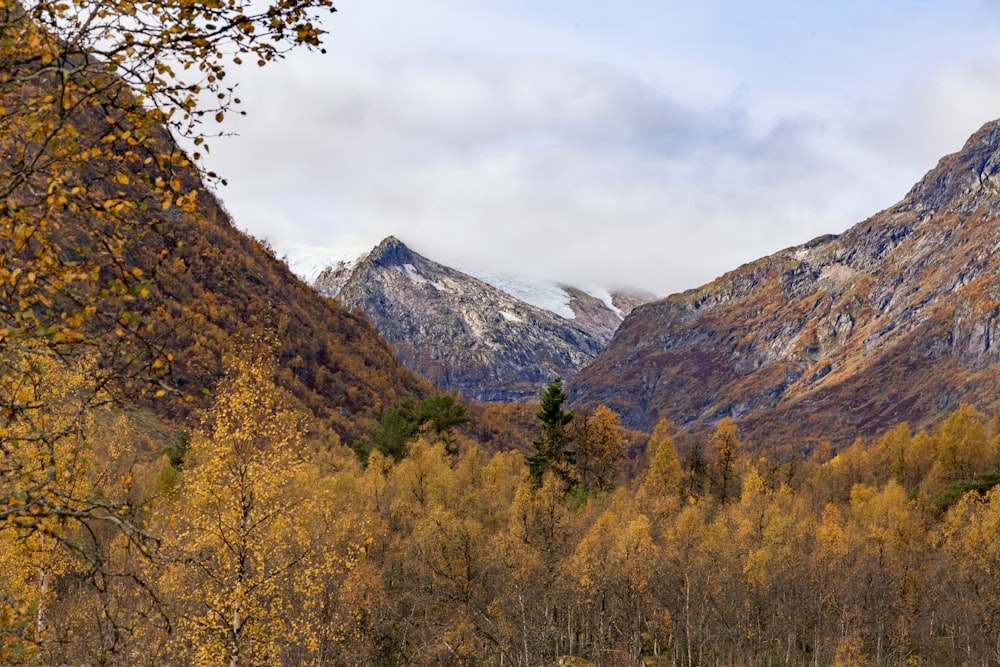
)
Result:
{"points": [[465, 334], [817, 338]]}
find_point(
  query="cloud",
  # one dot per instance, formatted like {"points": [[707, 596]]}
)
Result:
{"points": [[934, 114], [556, 168]]}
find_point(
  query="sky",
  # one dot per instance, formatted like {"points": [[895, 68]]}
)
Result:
{"points": [[646, 143]]}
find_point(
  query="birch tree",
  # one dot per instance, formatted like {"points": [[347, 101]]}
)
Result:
{"points": [[93, 94], [255, 535]]}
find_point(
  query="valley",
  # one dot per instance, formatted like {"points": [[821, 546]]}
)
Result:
{"points": [[204, 460]]}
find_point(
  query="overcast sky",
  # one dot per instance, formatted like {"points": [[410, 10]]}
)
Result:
{"points": [[650, 143]]}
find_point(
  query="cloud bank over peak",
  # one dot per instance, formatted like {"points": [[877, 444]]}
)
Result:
{"points": [[577, 169]]}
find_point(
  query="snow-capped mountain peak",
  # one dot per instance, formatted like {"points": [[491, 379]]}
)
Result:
{"points": [[491, 336]]}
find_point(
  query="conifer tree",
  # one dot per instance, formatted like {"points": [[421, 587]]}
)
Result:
{"points": [[551, 447], [437, 416]]}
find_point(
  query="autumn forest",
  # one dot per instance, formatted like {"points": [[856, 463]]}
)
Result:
{"points": [[249, 543], [204, 462]]}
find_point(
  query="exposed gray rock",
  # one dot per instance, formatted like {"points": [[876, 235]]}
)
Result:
{"points": [[893, 320], [464, 334]]}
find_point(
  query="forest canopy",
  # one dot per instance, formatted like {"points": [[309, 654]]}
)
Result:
{"points": [[276, 548]]}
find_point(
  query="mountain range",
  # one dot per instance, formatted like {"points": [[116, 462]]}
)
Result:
{"points": [[467, 335], [895, 320]]}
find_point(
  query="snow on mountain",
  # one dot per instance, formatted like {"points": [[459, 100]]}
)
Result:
{"points": [[462, 333], [411, 272], [604, 294], [490, 336], [307, 261], [541, 294], [547, 295]]}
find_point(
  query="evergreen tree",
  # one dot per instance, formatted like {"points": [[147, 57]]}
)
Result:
{"points": [[437, 415], [551, 447], [398, 425]]}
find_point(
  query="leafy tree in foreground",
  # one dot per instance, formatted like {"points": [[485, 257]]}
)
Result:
{"points": [[69, 524], [255, 535], [91, 181], [89, 174]]}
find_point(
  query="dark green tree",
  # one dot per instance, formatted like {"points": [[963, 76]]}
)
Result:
{"points": [[398, 425], [437, 416], [552, 446]]}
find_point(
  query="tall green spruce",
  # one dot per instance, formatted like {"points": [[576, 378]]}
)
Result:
{"points": [[552, 446]]}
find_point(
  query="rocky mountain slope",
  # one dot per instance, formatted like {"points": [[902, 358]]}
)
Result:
{"points": [[464, 334], [895, 320], [222, 288], [178, 283]]}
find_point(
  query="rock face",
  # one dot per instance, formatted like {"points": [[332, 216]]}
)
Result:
{"points": [[894, 320], [464, 334]]}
